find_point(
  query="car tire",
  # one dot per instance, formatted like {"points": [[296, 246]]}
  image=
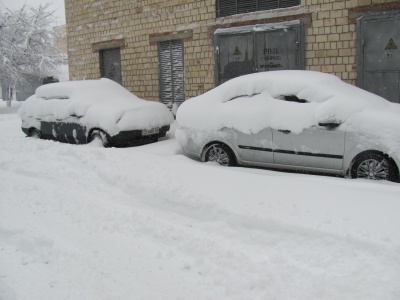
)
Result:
{"points": [[100, 136], [376, 166], [221, 154], [34, 133]]}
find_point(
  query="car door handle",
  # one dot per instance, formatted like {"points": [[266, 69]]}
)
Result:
{"points": [[284, 131]]}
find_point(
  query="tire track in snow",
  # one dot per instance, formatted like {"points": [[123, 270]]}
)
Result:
{"points": [[207, 224]]}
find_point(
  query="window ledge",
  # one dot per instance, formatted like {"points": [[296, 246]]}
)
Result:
{"points": [[96, 47], [169, 36], [267, 14]]}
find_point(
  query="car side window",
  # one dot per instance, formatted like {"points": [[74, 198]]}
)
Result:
{"points": [[292, 98], [56, 98], [242, 96]]}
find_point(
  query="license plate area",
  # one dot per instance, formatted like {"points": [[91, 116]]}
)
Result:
{"points": [[150, 131]]}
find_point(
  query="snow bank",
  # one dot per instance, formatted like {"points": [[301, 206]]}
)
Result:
{"points": [[100, 103], [80, 222], [253, 102]]}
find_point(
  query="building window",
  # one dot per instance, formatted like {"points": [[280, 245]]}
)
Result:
{"points": [[172, 76], [232, 7]]}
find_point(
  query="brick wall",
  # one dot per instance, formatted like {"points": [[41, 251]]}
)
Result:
{"points": [[330, 37], [60, 38]]}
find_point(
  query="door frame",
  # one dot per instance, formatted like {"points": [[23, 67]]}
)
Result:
{"points": [[360, 41]]}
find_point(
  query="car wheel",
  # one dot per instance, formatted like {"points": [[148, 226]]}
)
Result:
{"points": [[374, 166], [100, 136], [34, 133], [221, 154]]}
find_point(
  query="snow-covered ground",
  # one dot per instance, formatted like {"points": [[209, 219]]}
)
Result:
{"points": [[84, 222]]}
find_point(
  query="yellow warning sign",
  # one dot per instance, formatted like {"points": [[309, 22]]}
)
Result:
{"points": [[237, 51], [391, 45]]}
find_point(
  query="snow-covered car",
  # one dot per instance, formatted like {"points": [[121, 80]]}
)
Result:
{"points": [[296, 120], [79, 112]]}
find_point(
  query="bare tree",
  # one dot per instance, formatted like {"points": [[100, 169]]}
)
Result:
{"points": [[26, 45]]}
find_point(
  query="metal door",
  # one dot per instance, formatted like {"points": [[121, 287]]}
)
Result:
{"points": [[317, 147], [236, 56], [64, 132], [277, 50], [379, 54], [110, 62], [171, 72], [258, 48]]}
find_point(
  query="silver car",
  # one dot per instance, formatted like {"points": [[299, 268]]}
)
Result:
{"points": [[335, 141]]}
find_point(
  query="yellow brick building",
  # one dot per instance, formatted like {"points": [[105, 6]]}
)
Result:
{"points": [[171, 50]]}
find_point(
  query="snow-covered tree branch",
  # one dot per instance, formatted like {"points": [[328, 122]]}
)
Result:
{"points": [[26, 45]]}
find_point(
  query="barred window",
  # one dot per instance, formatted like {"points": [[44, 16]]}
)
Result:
{"points": [[233, 7]]}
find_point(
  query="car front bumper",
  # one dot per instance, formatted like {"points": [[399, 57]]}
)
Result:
{"points": [[135, 137]]}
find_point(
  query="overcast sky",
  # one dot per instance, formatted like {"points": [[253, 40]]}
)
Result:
{"points": [[57, 5]]}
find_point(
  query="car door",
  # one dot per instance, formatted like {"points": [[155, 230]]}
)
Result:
{"points": [[67, 132], [48, 131], [316, 147], [70, 132], [256, 148]]}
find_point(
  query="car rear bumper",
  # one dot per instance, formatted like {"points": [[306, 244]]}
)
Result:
{"points": [[135, 137]]}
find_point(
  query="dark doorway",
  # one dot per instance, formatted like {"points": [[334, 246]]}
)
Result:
{"points": [[110, 64]]}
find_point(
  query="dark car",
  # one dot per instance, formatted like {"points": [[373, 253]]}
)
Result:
{"points": [[79, 112]]}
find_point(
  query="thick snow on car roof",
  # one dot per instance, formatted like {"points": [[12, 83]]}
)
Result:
{"points": [[253, 102], [100, 103], [101, 88]]}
